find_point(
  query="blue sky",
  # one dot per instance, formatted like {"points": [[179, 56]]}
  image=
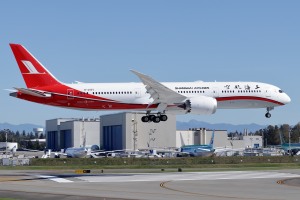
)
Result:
{"points": [[99, 41]]}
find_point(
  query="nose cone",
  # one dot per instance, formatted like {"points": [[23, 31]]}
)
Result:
{"points": [[286, 99]]}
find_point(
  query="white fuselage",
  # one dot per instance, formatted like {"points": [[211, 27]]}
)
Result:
{"points": [[229, 95]]}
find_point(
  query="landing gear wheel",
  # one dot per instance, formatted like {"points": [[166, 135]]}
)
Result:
{"points": [[145, 119], [156, 119], [151, 118], [163, 118], [268, 115]]}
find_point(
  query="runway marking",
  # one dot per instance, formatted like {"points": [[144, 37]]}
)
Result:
{"points": [[56, 179], [186, 176], [163, 185]]}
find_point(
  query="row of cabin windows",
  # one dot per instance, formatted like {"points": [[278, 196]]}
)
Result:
{"points": [[191, 91], [124, 92], [182, 92], [241, 91]]}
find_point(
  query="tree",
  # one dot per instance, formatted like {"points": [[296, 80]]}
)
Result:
{"points": [[42, 136], [295, 134]]}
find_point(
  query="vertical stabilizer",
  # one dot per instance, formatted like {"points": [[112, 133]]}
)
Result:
{"points": [[211, 144], [34, 73], [281, 138]]}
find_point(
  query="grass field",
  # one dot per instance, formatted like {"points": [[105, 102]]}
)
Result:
{"points": [[165, 164]]}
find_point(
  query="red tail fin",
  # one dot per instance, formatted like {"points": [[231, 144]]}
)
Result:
{"points": [[34, 73]]}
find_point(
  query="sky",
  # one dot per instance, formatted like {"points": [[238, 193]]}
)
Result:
{"points": [[170, 40]]}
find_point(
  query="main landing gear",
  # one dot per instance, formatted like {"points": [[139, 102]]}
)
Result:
{"points": [[154, 118], [268, 114]]}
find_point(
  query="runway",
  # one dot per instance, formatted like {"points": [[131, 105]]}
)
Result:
{"points": [[246, 185]]}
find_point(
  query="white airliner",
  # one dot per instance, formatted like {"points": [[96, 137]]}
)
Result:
{"points": [[155, 98]]}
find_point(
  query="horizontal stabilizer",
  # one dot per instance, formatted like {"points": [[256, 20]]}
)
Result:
{"points": [[37, 93]]}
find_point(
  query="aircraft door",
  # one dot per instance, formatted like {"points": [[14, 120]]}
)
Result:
{"points": [[215, 92], [268, 93], [137, 92], [70, 94]]}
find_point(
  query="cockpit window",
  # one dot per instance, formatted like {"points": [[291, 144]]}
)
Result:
{"points": [[280, 91]]}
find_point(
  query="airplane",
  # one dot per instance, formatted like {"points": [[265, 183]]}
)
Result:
{"points": [[200, 150], [80, 152], [155, 99]]}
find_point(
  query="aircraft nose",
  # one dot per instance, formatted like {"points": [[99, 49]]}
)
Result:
{"points": [[286, 99]]}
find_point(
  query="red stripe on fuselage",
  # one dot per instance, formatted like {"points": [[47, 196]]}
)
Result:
{"points": [[238, 98], [61, 89], [84, 103]]}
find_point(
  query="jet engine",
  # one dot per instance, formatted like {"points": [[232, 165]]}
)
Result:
{"points": [[201, 105]]}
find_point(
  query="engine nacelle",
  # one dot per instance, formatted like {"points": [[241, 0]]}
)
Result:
{"points": [[201, 105]]}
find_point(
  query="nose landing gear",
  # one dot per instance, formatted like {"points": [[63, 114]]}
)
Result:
{"points": [[268, 114]]}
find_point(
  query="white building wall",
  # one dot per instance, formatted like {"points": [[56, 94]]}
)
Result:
{"points": [[151, 135], [10, 145], [184, 138], [148, 135], [252, 141], [87, 131], [201, 136], [220, 138], [52, 124]]}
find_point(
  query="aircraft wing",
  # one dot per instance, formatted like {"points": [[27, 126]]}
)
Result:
{"points": [[37, 93], [161, 94]]}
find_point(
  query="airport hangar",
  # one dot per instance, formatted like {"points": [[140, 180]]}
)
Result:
{"points": [[126, 131]]}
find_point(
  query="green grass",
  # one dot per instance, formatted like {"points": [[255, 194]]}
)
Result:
{"points": [[7, 199], [157, 168], [168, 164]]}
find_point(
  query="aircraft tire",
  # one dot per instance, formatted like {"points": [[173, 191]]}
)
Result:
{"points": [[268, 115], [156, 119], [151, 118], [163, 118], [145, 119]]}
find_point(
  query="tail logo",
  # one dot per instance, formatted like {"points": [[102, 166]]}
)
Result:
{"points": [[30, 68]]}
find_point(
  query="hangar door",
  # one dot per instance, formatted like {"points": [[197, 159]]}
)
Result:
{"points": [[112, 138], [66, 139]]}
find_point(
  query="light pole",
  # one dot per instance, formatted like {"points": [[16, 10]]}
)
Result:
{"points": [[6, 131], [290, 153], [251, 145], [135, 132]]}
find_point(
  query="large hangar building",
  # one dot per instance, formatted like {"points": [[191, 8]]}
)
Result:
{"points": [[126, 131], [111, 132], [62, 133]]}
